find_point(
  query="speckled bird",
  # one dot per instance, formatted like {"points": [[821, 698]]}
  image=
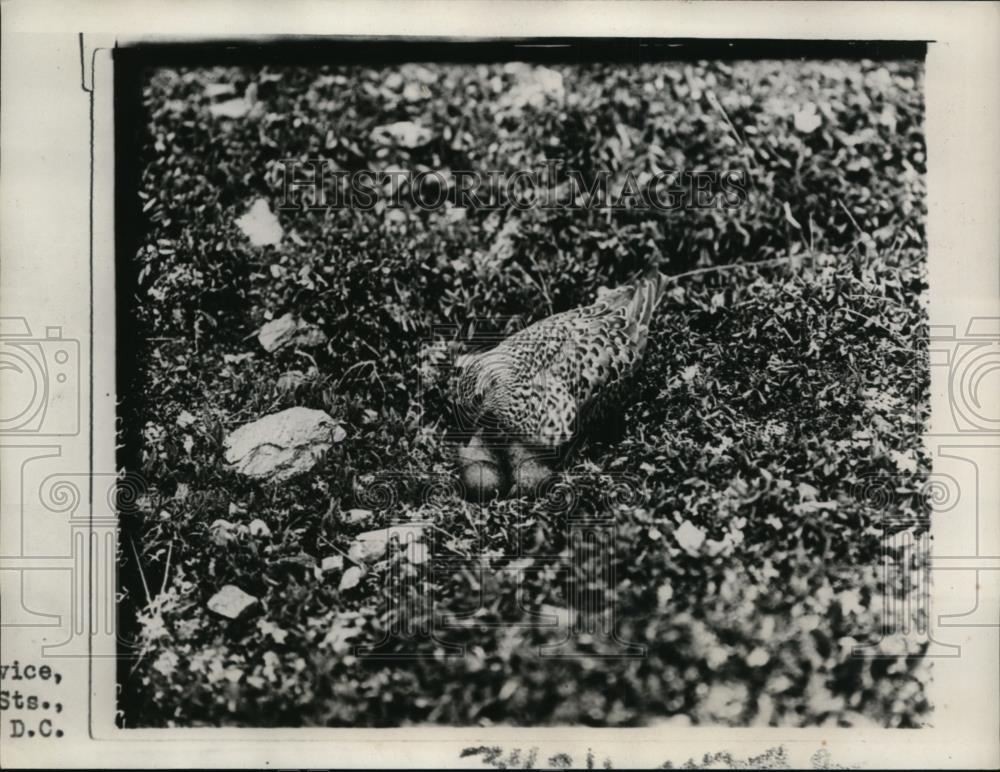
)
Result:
{"points": [[542, 386]]}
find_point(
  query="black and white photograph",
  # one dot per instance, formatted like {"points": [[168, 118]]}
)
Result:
{"points": [[526, 383], [514, 385]]}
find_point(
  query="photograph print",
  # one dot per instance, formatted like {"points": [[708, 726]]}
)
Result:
{"points": [[527, 383]]}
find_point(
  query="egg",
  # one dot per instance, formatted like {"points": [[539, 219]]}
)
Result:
{"points": [[481, 471], [531, 468]]}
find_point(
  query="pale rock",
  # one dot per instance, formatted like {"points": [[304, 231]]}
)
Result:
{"points": [[213, 90], [758, 657], [289, 330], [282, 445], [373, 545], [405, 134], [260, 225], [357, 516], [417, 553], [231, 602], [689, 537], [351, 578], [807, 119], [234, 108]]}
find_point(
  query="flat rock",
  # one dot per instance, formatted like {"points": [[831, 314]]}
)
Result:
{"points": [[373, 545], [282, 445], [259, 224], [289, 330], [402, 134], [231, 602], [352, 576], [358, 516], [689, 537], [230, 108]]}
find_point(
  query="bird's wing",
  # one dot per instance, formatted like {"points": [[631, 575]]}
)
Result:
{"points": [[607, 344], [543, 382]]}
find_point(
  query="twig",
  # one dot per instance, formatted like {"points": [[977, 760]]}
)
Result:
{"points": [[733, 266], [374, 372], [142, 574], [370, 362], [850, 216], [718, 106], [166, 568], [370, 347]]}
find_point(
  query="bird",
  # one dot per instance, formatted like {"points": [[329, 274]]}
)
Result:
{"points": [[532, 396]]}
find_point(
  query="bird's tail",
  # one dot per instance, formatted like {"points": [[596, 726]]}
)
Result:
{"points": [[649, 289]]}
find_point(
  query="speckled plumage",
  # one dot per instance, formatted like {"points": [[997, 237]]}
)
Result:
{"points": [[547, 382]]}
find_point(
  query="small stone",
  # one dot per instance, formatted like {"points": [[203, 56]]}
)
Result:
{"points": [[259, 528], [214, 90], [259, 224], [405, 134], [807, 119], [351, 578], [332, 563], [758, 657], [357, 516], [373, 545], [231, 602], [689, 537], [230, 108], [417, 553], [289, 330]]}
